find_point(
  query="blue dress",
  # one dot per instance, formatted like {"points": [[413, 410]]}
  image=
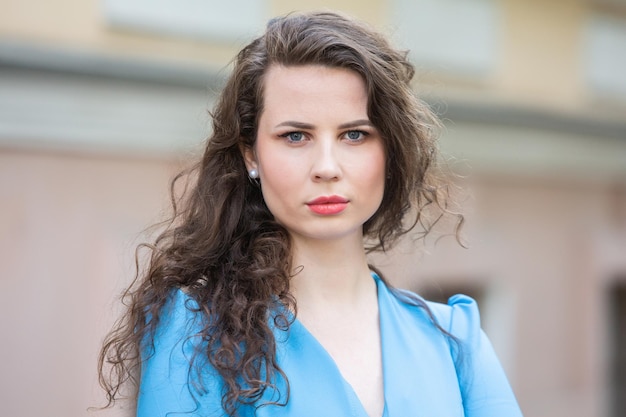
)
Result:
{"points": [[421, 374]]}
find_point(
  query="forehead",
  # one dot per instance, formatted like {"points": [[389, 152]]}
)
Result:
{"points": [[308, 88]]}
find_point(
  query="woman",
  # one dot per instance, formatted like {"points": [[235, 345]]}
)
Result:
{"points": [[259, 299]]}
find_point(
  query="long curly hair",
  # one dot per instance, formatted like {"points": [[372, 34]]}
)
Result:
{"points": [[222, 244]]}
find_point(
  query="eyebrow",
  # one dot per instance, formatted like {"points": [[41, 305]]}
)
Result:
{"points": [[301, 125], [298, 125], [356, 123]]}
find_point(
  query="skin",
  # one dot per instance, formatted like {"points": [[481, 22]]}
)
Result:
{"points": [[314, 140]]}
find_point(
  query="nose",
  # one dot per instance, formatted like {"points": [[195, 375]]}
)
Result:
{"points": [[326, 166]]}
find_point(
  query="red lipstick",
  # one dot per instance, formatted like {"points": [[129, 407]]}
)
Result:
{"points": [[328, 205]]}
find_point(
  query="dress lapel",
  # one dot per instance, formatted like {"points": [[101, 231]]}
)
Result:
{"points": [[419, 374]]}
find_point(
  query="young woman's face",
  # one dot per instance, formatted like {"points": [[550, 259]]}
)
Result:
{"points": [[320, 160]]}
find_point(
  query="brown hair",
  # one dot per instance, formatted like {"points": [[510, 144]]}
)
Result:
{"points": [[223, 246]]}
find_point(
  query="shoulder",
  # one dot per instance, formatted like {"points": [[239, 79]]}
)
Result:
{"points": [[459, 317], [483, 384], [179, 325], [180, 305], [168, 382], [484, 387], [179, 317]]}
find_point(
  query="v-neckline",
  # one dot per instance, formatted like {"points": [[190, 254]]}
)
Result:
{"points": [[355, 400]]}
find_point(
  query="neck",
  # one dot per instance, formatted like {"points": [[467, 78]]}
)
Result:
{"points": [[330, 274]]}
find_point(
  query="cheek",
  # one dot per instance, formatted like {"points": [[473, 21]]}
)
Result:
{"points": [[280, 179], [376, 184], [373, 170], [278, 172]]}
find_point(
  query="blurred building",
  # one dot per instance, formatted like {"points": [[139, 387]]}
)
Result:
{"points": [[101, 102]]}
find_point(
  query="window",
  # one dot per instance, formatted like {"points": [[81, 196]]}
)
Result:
{"points": [[440, 294], [605, 55], [202, 19], [449, 35], [617, 364]]}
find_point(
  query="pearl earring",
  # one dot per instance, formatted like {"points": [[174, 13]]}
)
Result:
{"points": [[253, 173]]}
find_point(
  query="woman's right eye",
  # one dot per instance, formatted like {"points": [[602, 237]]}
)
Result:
{"points": [[294, 137]]}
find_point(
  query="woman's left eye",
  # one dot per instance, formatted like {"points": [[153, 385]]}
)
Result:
{"points": [[355, 135]]}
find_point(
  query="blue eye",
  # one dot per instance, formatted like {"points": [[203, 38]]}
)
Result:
{"points": [[355, 135], [294, 136]]}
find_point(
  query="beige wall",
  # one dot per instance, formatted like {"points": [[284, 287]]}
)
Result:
{"points": [[81, 24], [540, 44], [68, 227], [541, 52]]}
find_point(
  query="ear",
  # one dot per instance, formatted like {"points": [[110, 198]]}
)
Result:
{"points": [[249, 157]]}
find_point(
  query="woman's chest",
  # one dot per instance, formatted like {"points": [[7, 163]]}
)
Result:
{"points": [[357, 357], [418, 378]]}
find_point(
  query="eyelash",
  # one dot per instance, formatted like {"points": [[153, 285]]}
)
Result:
{"points": [[363, 134]]}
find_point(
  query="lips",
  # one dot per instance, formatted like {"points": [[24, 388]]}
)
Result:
{"points": [[327, 205]]}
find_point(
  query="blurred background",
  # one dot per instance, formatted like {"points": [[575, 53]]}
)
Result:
{"points": [[103, 101]]}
